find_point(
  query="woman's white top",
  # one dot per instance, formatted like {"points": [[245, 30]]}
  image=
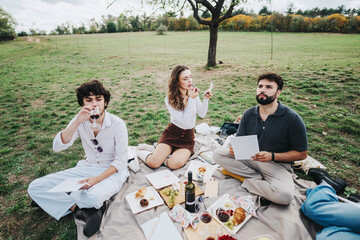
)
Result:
{"points": [[186, 119]]}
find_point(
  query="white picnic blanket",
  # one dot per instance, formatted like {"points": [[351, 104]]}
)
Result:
{"points": [[281, 222]]}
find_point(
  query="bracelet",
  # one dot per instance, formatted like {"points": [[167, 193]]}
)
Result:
{"points": [[273, 156]]}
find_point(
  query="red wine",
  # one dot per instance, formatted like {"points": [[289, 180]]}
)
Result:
{"points": [[210, 238], [205, 217], [190, 194], [222, 215], [94, 116]]}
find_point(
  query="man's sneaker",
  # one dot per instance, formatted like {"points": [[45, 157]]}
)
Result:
{"points": [[318, 174], [93, 222], [354, 197]]}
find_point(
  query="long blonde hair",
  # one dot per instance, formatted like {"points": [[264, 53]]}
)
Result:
{"points": [[174, 94]]}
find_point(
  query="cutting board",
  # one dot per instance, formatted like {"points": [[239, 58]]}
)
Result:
{"points": [[197, 234], [180, 198]]}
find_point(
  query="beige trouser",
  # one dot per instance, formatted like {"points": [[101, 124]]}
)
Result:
{"points": [[270, 180]]}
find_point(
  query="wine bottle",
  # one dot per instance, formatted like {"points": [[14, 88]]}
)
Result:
{"points": [[190, 194]]}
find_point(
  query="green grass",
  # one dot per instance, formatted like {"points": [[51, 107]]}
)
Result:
{"points": [[38, 80]]}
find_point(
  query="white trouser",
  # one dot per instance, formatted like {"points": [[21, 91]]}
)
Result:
{"points": [[270, 180], [57, 204]]}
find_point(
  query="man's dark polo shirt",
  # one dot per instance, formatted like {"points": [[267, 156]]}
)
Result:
{"points": [[281, 132]]}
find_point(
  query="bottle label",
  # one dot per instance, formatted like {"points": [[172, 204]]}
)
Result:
{"points": [[190, 203]]}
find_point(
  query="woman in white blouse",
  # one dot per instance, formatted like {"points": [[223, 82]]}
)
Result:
{"points": [[184, 104]]}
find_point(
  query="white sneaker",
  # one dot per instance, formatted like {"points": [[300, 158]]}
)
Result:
{"points": [[142, 154], [133, 161], [146, 147]]}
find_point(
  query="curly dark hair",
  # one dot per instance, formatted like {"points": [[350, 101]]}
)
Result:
{"points": [[174, 94], [272, 77], [94, 87]]}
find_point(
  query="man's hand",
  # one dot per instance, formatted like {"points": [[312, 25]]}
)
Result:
{"points": [[89, 182], [83, 114], [232, 151], [262, 157]]}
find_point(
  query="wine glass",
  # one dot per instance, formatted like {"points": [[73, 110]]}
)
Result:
{"points": [[205, 216], [222, 214], [95, 114]]}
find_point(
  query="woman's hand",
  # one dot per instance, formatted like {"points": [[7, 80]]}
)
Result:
{"points": [[89, 182], [208, 94], [193, 92]]}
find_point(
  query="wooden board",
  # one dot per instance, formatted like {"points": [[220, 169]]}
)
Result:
{"points": [[180, 198], [197, 234]]}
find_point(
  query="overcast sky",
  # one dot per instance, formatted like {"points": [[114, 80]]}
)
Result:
{"points": [[47, 14]]}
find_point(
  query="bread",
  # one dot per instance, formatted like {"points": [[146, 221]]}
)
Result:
{"points": [[140, 193], [202, 169], [239, 216], [144, 202]]}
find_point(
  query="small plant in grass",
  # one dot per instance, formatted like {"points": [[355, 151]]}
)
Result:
{"points": [[161, 29], [348, 191]]}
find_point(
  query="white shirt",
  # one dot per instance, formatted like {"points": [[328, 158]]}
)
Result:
{"points": [[112, 138], [186, 119]]}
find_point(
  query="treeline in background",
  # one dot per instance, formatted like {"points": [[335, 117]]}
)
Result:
{"points": [[338, 20]]}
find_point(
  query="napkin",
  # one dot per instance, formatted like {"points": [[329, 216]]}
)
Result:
{"points": [[246, 202], [183, 217]]}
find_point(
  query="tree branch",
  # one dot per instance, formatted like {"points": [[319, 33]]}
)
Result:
{"points": [[196, 13], [207, 5], [228, 13]]}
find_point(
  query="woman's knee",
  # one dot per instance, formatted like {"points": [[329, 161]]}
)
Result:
{"points": [[153, 164], [175, 164]]}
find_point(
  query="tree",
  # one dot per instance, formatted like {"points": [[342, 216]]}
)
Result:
{"points": [[219, 10], [7, 26], [111, 27], [264, 10]]}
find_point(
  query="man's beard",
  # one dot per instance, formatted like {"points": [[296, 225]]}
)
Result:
{"points": [[267, 100]]}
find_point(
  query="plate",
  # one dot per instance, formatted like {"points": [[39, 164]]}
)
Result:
{"points": [[162, 178], [135, 202], [221, 203], [194, 167]]}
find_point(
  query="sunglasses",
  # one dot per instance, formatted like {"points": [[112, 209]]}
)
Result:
{"points": [[95, 142]]}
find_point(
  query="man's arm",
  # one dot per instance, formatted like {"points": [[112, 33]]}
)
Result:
{"points": [[289, 156], [82, 116], [91, 181]]}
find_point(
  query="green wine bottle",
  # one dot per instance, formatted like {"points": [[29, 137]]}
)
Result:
{"points": [[190, 194]]}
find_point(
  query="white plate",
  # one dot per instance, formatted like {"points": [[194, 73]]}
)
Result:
{"points": [[135, 202], [220, 203], [162, 178], [194, 167]]}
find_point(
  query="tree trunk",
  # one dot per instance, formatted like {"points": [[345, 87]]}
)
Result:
{"points": [[211, 62]]}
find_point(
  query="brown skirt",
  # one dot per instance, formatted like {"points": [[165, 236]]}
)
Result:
{"points": [[178, 138]]}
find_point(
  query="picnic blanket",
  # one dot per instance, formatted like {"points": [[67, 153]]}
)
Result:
{"points": [[281, 222]]}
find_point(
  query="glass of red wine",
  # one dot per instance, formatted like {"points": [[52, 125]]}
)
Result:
{"points": [[223, 215], [95, 114], [205, 215]]}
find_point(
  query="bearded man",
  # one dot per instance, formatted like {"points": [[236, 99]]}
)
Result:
{"points": [[282, 140]]}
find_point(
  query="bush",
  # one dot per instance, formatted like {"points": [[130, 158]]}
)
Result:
{"points": [[111, 27], [7, 26], [161, 29]]}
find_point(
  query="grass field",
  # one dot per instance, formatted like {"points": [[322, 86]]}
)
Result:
{"points": [[38, 78]]}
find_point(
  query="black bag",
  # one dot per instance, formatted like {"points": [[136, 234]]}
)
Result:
{"points": [[230, 128]]}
